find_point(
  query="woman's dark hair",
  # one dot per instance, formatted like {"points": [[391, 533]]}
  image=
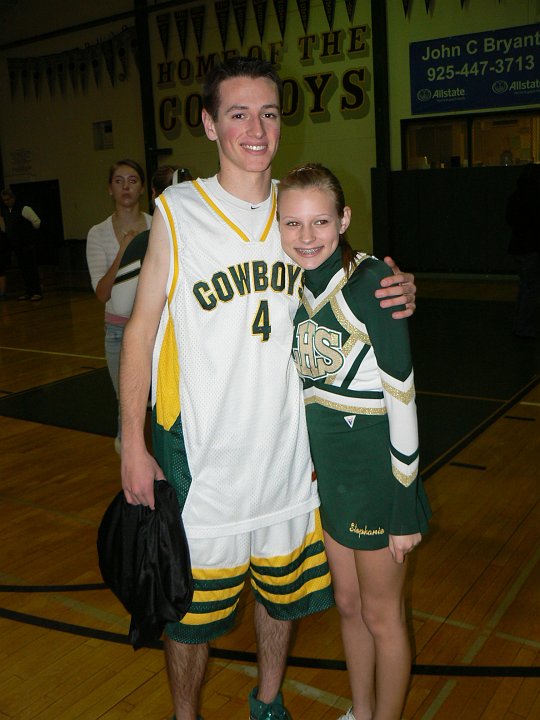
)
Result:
{"points": [[130, 163], [162, 178], [315, 175], [236, 67], [181, 175]]}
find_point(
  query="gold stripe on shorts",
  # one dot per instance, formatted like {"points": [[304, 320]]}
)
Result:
{"points": [[211, 587], [314, 566]]}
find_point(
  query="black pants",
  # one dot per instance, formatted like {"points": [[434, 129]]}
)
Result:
{"points": [[27, 261], [5, 252]]}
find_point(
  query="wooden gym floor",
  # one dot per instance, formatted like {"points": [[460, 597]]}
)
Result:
{"points": [[474, 589]]}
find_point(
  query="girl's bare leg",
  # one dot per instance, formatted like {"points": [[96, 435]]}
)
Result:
{"points": [[381, 580], [357, 640]]}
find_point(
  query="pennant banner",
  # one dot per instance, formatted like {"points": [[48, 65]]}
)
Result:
{"points": [[329, 9], [15, 67], [83, 69], [463, 3], [73, 70], [121, 47], [350, 5], [222, 15], [25, 76], [181, 21], [259, 6], [303, 9], [77, 64], [50, 73], [164, 23], [428, 3], [134, 45], [197, 20], [240, 12], [95, 63], [36, 71], [280, 7], [61, 70], [110, 61], [406, 4]]}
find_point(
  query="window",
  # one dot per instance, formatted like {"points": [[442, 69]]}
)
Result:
{"points": [[435, 145], [505, 140], [460, 141], [103, 135]]}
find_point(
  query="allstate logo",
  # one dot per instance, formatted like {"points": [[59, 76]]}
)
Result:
{"points": [[424, 95], [499, 87]]}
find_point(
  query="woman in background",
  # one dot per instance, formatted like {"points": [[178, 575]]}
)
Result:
{"points": [[105, 246], [127, 277]]}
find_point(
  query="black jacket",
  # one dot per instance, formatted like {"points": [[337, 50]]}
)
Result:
{"points": [[144, 559]]}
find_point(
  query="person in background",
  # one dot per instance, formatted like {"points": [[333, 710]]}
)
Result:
{"points": [[105, 246], [5, 253], [523, 216], [212, 317], [355, 365], [20, 224], [127, 277]]}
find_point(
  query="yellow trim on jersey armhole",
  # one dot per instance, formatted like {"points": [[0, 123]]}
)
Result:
{"points": [[271, 216], [168, 375], [174, 280]]}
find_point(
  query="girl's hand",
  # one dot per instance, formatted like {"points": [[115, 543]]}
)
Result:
{"points": [[400, 545]]}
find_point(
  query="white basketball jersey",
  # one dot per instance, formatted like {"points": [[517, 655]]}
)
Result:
{"points": [[232, 296]]}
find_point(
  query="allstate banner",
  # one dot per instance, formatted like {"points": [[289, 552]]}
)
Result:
{"points": [[465, 72]]}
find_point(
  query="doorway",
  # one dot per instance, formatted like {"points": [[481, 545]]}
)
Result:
{"points": [[43, 196]]}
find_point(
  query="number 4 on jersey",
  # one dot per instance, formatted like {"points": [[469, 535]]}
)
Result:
{"points": [[261, 323]]}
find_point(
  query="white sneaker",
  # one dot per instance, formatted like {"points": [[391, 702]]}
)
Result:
{"points": [[348, 715], [118, 445]]}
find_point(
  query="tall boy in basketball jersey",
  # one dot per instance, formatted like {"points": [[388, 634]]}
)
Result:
{"points": [[211, 333]]}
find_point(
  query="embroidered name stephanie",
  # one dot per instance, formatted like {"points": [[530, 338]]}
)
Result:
{"points": [[353, 528]]}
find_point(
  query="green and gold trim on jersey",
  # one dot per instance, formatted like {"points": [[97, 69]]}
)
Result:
{"points": [[241, 234]]}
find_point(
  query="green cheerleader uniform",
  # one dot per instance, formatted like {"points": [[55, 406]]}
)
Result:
{"points": [[355, 363]]}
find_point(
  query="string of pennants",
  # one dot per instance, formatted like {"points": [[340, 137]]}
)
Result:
{"points": [[428, 3], [222, 8], [75, 67]]}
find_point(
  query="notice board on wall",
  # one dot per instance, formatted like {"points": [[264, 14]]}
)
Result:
{"points": [[498, 68]]}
